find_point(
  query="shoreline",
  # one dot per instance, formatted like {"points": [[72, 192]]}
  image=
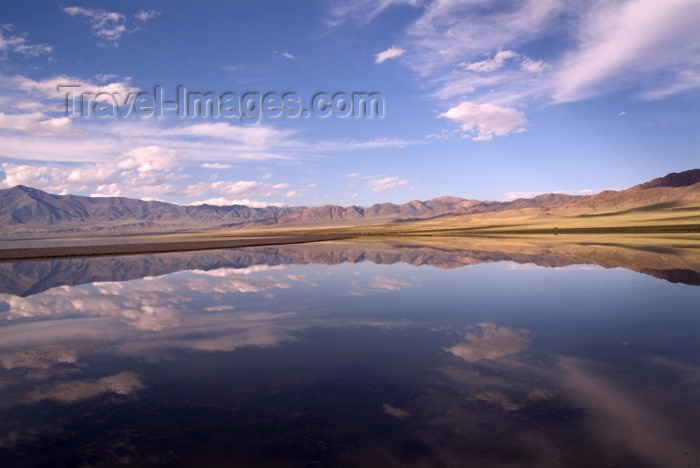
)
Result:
{"points": [[59, 252]]}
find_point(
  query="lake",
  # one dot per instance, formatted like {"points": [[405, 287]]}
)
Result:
{"points": [[428, 352]]}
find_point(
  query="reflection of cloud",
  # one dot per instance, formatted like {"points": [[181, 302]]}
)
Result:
{"points": [[223, 272], [623, 419], [688, 372], [42, 357], [390, 284], [497, 398], [152, 304], [124, 383], [490, 342], [398, 413], [539, 394]]}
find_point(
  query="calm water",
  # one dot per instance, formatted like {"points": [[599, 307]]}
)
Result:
{"points": [[350, 355]]}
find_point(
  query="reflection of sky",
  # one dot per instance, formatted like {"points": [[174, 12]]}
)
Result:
{"points": [[483, 363]]}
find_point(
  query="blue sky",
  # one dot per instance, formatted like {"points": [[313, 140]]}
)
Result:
{"points": [[482, 99]]}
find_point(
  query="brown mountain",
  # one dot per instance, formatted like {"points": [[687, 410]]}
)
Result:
{"points": [[25, 211]]}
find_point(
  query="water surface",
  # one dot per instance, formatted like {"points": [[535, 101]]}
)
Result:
{"points": [[346, 354]]}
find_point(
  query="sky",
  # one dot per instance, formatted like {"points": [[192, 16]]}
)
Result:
{"points": [[485, 99]]}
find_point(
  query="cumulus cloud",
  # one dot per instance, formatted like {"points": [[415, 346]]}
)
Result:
{"points": [[35, 123], [486, 120], [143, 172], [388, 54], [489, 341]]}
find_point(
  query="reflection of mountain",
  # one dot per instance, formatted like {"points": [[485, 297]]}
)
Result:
{"points": [[674, 261], [27, 278]]}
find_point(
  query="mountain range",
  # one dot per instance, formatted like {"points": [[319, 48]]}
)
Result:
{"points": [[26, 211]]}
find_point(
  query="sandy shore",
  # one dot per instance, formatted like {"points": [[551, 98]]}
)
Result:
{"points": [[41, 253]]}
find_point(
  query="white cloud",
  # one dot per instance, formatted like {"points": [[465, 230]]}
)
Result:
{"points": [[288, 55], [486, 120], [18, 44], [647, 47], [515, 195], [362, 11], [490, 65], [215, 166], [627, 43], [35, 123], [386, 183], [533, 66], [150, 158], [146, 15], [686, 80], [390, 53], [149, 172], [49, 87], [107, 25], [221, 201]]}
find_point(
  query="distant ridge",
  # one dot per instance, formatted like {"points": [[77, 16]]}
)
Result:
{"points": [[27, 211], [674, 179]]}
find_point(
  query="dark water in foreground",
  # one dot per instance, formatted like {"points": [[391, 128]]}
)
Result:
{"points": [[347, 355]]}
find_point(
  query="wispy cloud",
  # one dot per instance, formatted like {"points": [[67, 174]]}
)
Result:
{"points": [[515, 195], [386, 183], [490, 65], [11, 43], [474, 53], [146, 15], [215, 166], [621, 42], [389, 54], [108, 26], [377, 183], [361, 11]]}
